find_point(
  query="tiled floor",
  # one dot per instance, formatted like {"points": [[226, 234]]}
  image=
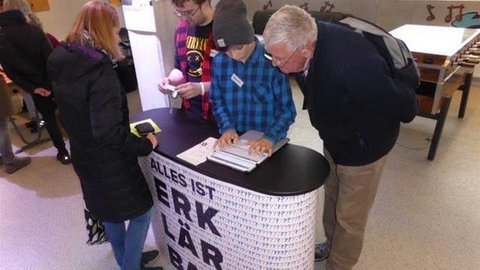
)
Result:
{"points": [[426, 214]]}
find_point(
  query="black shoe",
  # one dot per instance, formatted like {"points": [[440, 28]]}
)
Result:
{"points": [[322, 251], [17, 164], [152, 268], [41, 123], [64, 157], [36, 125], [149, 256]]}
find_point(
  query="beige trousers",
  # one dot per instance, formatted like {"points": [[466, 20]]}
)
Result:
{"points": [[349, 195]]}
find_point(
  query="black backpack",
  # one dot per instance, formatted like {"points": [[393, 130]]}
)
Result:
{"points": [[395, 52]]}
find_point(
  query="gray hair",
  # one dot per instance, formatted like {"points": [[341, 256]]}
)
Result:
{"points": [[25, 8], [292, 25]]}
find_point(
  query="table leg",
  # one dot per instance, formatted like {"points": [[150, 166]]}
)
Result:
{"points": [[465, 91], [440, 118]]}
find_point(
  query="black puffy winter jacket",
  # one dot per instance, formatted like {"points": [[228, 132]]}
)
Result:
{"points": [[93, 110]]}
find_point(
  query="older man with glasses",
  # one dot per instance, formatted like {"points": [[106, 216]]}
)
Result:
{"points": [[355, 105], [193, 41]]}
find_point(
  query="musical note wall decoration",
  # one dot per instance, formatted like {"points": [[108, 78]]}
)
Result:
{"points": [[430, 17], [304, 6], [455, 15], [469, 20], [268, 5], [458, 17], [328, 7]]}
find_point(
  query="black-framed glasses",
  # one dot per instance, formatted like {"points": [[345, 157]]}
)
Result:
{"points": [[186, 13], [280, 62]]}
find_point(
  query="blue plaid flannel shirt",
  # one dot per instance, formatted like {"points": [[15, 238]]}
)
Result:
{"points": [[261, 101]]}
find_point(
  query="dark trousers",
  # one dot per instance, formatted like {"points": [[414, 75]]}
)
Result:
{"points": [[46, 106]]}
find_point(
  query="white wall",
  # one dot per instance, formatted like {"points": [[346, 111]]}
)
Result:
{"points": [[389, 14], [359, 8], [59, 19], [394, 13]]}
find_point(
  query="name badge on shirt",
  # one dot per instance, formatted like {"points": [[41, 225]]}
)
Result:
{"points": [[236, 80]]}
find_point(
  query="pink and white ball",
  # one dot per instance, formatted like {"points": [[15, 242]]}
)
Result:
{"points": [[175, 77]]}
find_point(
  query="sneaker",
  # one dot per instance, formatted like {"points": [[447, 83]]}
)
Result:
{"points": [[35, 126], [41, 123], [152, 268], [64, 157], [322, 251], [17, 164], [149, 256]]}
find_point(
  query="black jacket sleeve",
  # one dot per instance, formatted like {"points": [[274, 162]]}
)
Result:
{"points": [[370, 85], [27, 66], [46, 49], [106, 117]]}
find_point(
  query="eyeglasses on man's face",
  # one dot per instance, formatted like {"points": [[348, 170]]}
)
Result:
{"points": [[186, 13], [280, 62]]}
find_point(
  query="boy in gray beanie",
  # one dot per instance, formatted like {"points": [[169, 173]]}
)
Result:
{"points": [[247, 92], [231, 26]]}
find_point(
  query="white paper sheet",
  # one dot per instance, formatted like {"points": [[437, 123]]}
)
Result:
{"points": [[199, 153]]}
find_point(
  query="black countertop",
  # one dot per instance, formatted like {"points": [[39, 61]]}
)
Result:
{"points": [[292, 170]]}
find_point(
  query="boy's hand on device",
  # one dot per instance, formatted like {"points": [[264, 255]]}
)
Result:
{"points": [[260, 146], [227, 138]]}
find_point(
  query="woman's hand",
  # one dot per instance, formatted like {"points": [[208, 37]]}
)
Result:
{"points": [[42, 92], [153, 139]]}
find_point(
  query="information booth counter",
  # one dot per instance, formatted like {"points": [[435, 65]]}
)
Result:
{"points": [[213, 217]]}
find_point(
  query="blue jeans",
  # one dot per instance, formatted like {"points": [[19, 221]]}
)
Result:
{"points": [[127, 244]]}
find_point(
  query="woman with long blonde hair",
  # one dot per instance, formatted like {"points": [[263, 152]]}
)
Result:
{"points": [[94, 112]]}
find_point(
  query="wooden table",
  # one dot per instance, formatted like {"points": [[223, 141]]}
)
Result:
{"points": [[446, 57]]}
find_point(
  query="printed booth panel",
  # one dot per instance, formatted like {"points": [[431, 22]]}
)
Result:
{"points": [[205, 223]]}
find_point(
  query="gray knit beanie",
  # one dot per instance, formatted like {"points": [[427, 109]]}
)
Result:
{"points": [[230, 24]]}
